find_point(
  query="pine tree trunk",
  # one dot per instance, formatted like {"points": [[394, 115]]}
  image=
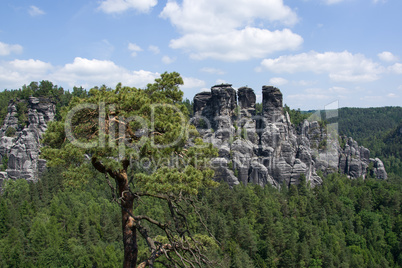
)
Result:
{"points": [[127, 220], [128, 226]]}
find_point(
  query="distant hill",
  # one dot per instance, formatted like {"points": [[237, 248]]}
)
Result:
{"points": [[379, 129], [365, 124]]}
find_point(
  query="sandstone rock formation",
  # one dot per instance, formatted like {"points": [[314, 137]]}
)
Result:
{"points": [[21, 144], [266, 148]]}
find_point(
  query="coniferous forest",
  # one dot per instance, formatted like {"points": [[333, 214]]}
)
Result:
{"points": [[342, 223]]}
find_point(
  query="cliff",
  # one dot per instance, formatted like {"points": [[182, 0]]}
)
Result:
{"points": [[266, 148], [262, 148], [20, 136]]}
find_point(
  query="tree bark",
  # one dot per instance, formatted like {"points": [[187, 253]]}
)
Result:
{"points": [[128, 223], [127, 220]]}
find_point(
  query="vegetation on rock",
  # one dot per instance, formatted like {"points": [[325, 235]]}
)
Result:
{"points": [[74, 216]]}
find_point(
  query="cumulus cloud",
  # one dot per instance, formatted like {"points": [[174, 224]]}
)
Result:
{"points": [[225, 30], [96, 72], [190, 82], [134, 48], [14, 74], [396, 68], [6, 49], [30, 66], [119, 6], [35, 11], [154, 49], [219, 16], [340, 66], [81, 72], [387, 56], [237, 45], [168, 60], [278, 81]]}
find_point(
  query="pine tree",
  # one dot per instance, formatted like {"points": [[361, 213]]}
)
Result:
{"points": [[140, 139]]}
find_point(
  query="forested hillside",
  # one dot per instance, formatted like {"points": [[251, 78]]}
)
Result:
{"points": [[38, 89], [344, 223], [379, 129], [72, 220]]}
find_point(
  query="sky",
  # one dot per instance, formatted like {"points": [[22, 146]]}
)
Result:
{"points": [[316, 52]]}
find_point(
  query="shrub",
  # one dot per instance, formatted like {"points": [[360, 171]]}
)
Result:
{"points": [[10, 132]]}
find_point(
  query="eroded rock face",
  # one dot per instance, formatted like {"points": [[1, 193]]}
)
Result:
{"points": [[22, 148], [266, 149]]}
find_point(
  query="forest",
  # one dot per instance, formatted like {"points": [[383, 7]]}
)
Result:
{"points": [[62, 222]]}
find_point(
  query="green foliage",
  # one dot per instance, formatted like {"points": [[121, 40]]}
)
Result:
{"points": [[69, 219], [141, 139], [22, 113], [190, 106], [48, 225], [10, 132], [258, 108], [4, 162], [42, 89], [243, 133], [296, 116], [343, 223], [160, 108], [378, 129]]}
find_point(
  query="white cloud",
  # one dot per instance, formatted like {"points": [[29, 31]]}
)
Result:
{"points": [[31, 66], [134, 48], [190, 82], [15, 73], [278, 81], [396, 68], [225, 29], [212, 71], [387, 56], [168, 60], [340, 66], [211, 16], [97, 72], [237, 45], [118, 6], [81, 72], [35, 11], [6, 49], [154, 49]]}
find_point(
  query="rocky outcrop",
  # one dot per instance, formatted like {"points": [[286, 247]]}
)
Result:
{"points": [[266, 148], [20, 138]]}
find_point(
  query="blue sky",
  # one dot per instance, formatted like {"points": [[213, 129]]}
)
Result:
{"points": [[315, 51]]}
